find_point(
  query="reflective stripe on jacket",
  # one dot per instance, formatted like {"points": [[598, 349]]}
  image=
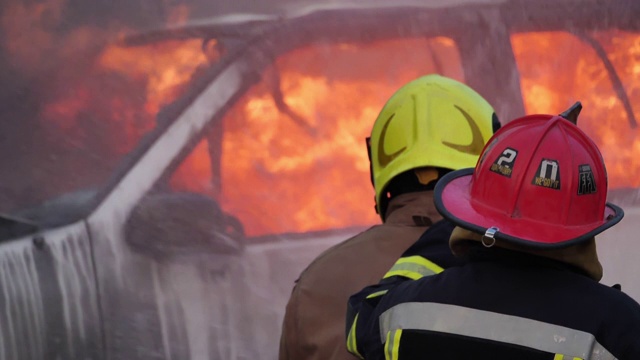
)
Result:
{"points": [[500, 305]]}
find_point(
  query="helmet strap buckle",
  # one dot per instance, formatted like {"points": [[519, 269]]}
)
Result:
{"points": [[488, 239]]}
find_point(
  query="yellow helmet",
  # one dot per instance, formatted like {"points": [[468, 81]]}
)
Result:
{"points": [[433, 122]]}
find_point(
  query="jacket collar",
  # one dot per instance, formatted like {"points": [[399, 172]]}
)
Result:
{"points": [[477, 253], [581, 257]]}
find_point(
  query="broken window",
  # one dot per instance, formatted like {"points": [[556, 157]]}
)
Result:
{"points": [[292, 157]]}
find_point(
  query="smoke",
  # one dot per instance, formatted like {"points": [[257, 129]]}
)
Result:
{"points": [[47, 51]]}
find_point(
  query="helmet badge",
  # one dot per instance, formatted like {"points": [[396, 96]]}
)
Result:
{"points": [[548, 174], [587, 181], [504, 164]]}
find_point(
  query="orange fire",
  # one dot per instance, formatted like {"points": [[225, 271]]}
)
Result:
{"points": [[553, 81], [310, 171], [149, 78], [305, 167], [80, 80], [165, 68], [278, 175]]}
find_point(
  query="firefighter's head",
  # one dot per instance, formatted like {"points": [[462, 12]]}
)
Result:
{"points": [[428, 127], [540, 184]]}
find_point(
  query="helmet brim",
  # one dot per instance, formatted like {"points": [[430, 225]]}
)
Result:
{"points": [[453, 200]]}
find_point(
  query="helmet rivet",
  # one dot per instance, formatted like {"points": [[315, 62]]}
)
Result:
{"points": [[488, 239]]}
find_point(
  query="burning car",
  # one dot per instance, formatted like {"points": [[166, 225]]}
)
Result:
{"points": [[185, 180]]}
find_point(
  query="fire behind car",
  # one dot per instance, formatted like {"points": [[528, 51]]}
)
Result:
{"points": [[179, 186]]}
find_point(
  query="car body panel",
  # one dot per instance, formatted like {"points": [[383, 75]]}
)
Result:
{"points": [[49, 303]]}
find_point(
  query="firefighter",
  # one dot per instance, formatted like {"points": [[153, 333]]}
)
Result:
{"points": [[526, 217], [429, 126]]}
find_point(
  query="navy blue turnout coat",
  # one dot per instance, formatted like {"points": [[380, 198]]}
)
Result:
{"points": [[496, 304]]}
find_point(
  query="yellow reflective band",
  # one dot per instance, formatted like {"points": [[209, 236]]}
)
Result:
{"points": [[352, 346], [561, 357], [413, 267], [392, 345], [406, 273], [376, 294]]}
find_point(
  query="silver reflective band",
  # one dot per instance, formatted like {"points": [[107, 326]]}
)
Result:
{"points": [[488, 325]]}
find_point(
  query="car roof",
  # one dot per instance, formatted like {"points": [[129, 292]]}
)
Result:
{"points": [[246, 16], [295, 8]]}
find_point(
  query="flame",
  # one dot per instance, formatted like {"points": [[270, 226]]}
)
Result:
{"points": [[303, 168], [553, 82], [165, 67], [310, 171], [81, 76], [128, 86]]}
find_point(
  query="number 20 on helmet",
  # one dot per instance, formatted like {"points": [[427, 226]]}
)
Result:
{"points": [[540, 182]]}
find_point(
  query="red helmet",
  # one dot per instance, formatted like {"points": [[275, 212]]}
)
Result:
{"points": [[539, 182]]}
